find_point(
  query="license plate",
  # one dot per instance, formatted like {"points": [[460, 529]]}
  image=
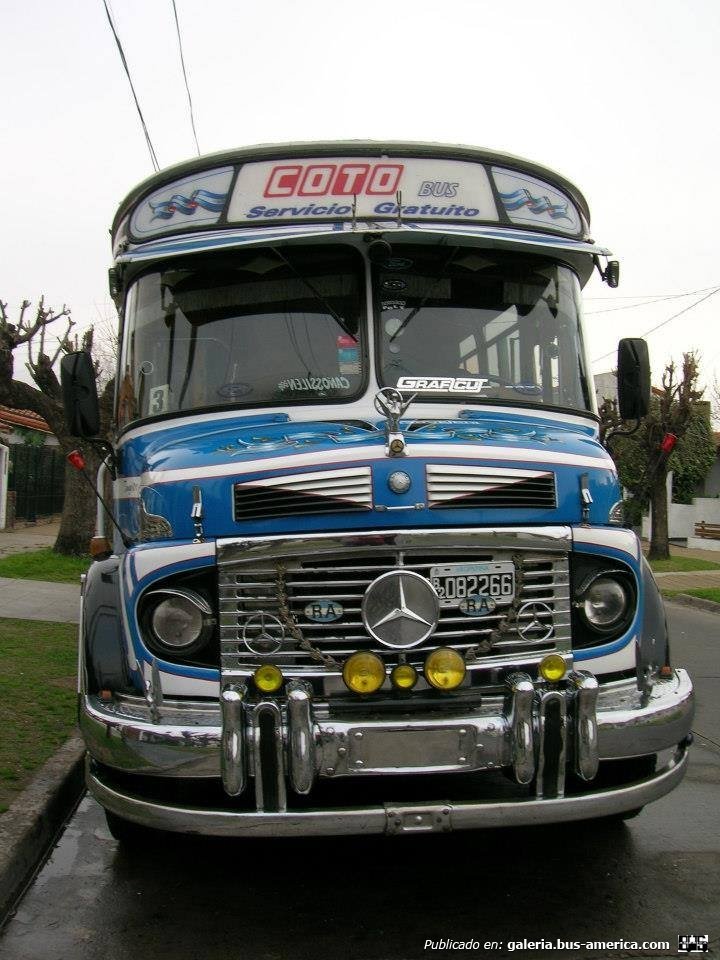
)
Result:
{"points": [[456, 582]]}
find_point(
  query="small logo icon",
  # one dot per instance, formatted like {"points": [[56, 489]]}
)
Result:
{"points": [[263, 633], [400, 609], [324, 611], [399, 481], [693, 943], [535, 621]]}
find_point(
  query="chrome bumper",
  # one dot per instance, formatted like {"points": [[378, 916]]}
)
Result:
{"points": [[391, 818], [534, 731]]}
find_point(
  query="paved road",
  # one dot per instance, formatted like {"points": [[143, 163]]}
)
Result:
{"points": [[651, 879]]}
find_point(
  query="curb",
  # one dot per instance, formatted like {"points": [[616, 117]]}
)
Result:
{"points": [[688, 600], [30, 825]]}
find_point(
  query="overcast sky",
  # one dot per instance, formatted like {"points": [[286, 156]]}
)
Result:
{"points": [[620, 97]]}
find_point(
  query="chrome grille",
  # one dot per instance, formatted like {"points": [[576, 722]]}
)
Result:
{"points": [[248, 588], [317, 492], [451, 485]]}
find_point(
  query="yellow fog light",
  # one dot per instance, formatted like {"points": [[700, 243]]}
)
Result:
{"points": [[404, 676], [445, 669], [268, 678], [364, 673], [552, 667]]}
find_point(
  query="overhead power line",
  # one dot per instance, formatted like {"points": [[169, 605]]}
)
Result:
{"points": [[187, 85], [647, 302], [664, 323], [153, 155]]}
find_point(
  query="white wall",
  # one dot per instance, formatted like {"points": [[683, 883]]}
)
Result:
{"points": [[683, 517], [4, 466]]}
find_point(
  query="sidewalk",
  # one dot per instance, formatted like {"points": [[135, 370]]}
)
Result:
{"points": [[36, 599], [689, 579], [39, 600], [23, 539]]}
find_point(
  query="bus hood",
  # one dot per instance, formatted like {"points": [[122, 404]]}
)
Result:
{"points": [[261, 475]]}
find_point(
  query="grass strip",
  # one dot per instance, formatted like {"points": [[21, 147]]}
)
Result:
{"points": [[682, 565], [37, 697], [704, 593], [43, 565]]}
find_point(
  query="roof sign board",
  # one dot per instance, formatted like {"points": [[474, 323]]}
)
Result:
{"points": [[367, 188], [195, 200], [328, 188], [532, 203]]}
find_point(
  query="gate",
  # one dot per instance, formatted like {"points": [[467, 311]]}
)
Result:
{"points": [[37, 475]]}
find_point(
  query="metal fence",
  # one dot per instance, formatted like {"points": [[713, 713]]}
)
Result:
{"points": [[37, 476]]}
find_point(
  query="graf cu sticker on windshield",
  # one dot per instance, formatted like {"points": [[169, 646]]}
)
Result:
{"points": [[315, 384], [443, 384]]}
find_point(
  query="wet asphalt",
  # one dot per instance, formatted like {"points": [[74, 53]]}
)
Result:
{"points": [[651, 879]]}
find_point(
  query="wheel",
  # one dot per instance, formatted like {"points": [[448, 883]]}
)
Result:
{"points": [[127, 833]]}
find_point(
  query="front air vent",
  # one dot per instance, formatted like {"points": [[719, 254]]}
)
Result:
{"points": [[304, 494], [453, 486]]}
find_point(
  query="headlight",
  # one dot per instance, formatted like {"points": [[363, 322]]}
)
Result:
{"points": [[605, 603], [181, 620]]}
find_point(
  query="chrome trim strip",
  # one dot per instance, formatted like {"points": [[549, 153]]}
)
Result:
{"points": [[521, 725], [268, 707], [376, 819], [551, 751], [557, 539], [232, 749], [301, 738], [587, 756]]}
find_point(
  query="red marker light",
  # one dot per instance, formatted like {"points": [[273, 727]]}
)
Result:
{"points": [[668, 443], [76, 459]]}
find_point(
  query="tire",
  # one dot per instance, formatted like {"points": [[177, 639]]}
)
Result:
{"points": [[627, 815], [127, 833]]}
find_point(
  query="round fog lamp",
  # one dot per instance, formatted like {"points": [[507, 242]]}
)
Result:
{"points": [[445, 669], [552, 667], [364, 673], [268, 678], [404, 676]]}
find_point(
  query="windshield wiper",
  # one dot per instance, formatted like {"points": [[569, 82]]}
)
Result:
{"points": [[316, 293], [427, 296]]}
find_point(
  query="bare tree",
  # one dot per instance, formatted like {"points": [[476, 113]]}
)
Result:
{"points": [[715, 401], [45, 398]]}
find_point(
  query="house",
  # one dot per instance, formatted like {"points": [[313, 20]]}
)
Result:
{"points": [[32, 471]]}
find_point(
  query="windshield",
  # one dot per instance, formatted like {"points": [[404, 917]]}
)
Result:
{"points": [[256, 327], [456, 322]]}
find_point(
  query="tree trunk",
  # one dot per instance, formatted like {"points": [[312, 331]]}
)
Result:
{"points": [[659, 546], [77, 525]]}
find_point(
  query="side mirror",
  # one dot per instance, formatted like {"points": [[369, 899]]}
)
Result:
{"points": [[612, 274], [79, 390], [633, 376]]}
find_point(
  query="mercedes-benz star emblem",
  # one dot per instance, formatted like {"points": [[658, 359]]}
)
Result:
{"points": [[535, 621], [400, 609], [263, 633]]}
